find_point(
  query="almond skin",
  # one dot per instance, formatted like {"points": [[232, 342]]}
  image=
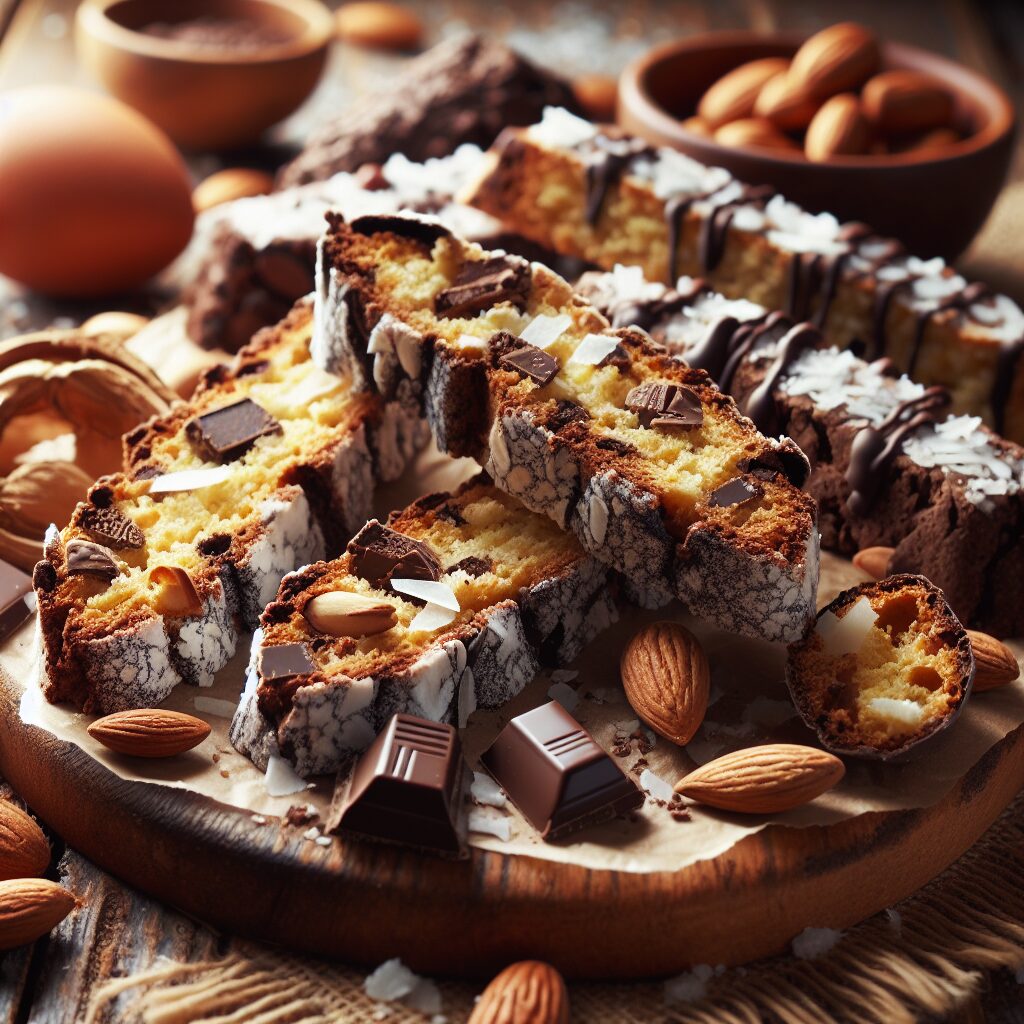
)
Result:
{"points": [[381, 26], [836, 59], [839, 128], [874, 561], [149, 732], [755, 132], [785, 103], [698, 126], [24, 851], [529, 992], [934, 141], [230, 184], [904, 102], [598, 95], [114, 322], [763, 780], [29, 908], [666, 678], [341, 613], [732, 97], [994, 662]]}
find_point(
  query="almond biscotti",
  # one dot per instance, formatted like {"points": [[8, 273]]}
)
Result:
{"points": [[891, 465], [597, 429], [270, 465], [450, 606], [591, 192]]}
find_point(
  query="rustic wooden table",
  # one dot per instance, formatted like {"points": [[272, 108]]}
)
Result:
{"points": [[119, 931]]}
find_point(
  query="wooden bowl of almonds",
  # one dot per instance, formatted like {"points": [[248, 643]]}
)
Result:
{"points": [[908, 142]]}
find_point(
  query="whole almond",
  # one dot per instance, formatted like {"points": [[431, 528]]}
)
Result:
{"points": [[839, 128], [114, 322], [755, 132], [529, 992], [698, 126], [874, 561], [994, 662], [340, 613], [597, 95], [785, 103], [149, 732], [24, 851], [836, 59], [934, 141], [230, 184], [732, 97], [902, 102], [666, 678], [763, 780], [29, 908], [176, 593], [381, 26]]}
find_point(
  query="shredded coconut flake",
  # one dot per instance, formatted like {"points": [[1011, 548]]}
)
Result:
{"points": [[432, 618], [812, 943], [907, 713], [845, 635], [558, 128], [486, 791], [656, 786], [189, 480], [543, 331], [488, 824], [429, 591], [281, 778], [564, 694], [593, 349]]}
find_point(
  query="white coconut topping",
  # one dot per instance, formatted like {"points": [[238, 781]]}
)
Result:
{"points": [[486, 792], [487, 823], [281, 779], [557, 128], [189, 480], [656, 786], [565, 695], [429, 591], [543, 331], [845, 635], [431, 618], [593, 349], [898, 712]]}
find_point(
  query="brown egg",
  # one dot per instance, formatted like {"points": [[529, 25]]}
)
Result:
{"points": [[94, 199]]}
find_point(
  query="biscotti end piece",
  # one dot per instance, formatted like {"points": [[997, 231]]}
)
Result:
{"points": [[477, 591], [887, 666], [641, 457], [466, 89]]}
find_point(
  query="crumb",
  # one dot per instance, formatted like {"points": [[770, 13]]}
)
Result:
{"points": [[643, 742], [301, 815], [639, 766], [224, 773], [258, 819], [216, 758], [622, 747]]}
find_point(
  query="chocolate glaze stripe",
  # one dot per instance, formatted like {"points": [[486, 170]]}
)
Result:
{"points": [[760, 406]]}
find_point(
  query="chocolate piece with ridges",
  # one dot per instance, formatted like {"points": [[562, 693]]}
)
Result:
{"points": [[665, 405], [226, 434], [87, 559], [111, 527], [286, 661], [734, 492], [405, 788], [532, 362], [380, 554], [556, 774], [483, 284]]}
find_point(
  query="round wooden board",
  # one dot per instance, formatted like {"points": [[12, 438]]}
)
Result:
{"points": [[365, 904]]}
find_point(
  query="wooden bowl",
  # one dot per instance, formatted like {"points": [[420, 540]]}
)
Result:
{"points": [[206, 97], [934, 203]]}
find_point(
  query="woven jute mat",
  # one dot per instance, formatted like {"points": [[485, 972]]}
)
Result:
{"points": [[926, 958]]}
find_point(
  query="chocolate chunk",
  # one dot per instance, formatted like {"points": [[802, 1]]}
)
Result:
{"points": [[214, 546], [87, 559], [788, 460], [405, 226], [556, 774], [566, 412], [285, 661], [44, 577], [668, 406], [472, 566], [618, 357], [532, 362], [17, 602], [405, 789], [734, 492], [228, 433], [110, 526], [380, 555], [371, 178], [482, 284]]}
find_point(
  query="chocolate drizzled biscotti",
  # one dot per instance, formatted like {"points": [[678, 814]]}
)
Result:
{"points": [[891, 466], [593, 193], [633, 451], [448, 607], [270, 465], [256, 255]]}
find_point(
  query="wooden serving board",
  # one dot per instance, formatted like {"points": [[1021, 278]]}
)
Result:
{"points": [[365, 904]]}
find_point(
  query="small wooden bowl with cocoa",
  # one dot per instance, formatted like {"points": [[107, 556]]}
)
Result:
{"points": [[911, 143]]}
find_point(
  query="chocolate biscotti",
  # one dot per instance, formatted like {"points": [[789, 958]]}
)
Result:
{"points": [[253, 258], [450, 606], [270, 465], [638, 455], [466, 89], [891, 465], [593, 193]]}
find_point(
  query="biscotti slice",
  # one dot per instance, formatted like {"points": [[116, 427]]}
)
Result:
{"points": [[270, 465], [449, 607], [598, 429], [253, 258], [887, 666], [890, 465], [591, 192]]}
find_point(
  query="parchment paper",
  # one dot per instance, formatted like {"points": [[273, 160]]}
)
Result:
{"points": [[749, 705]]}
